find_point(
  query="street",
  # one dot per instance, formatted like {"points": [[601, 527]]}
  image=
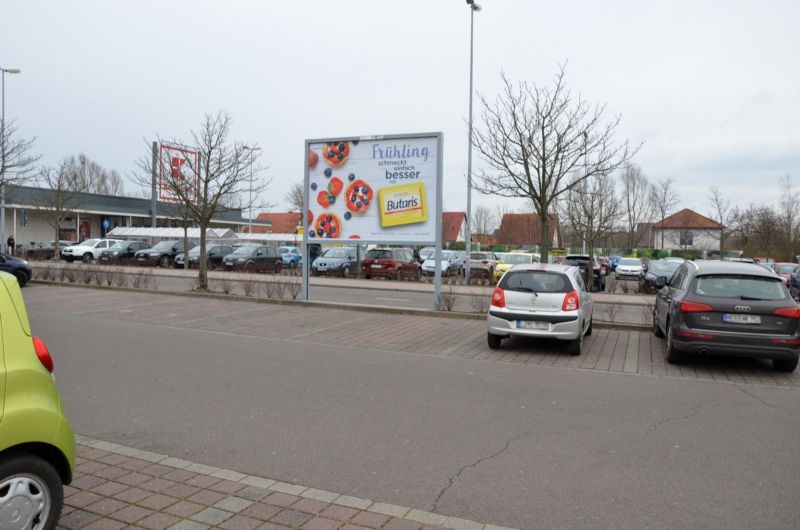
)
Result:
{"points": [[408, 410]]}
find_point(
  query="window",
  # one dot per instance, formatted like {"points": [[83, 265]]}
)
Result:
{"points": [[535, 282], [678, 278], [740, 287], [687, 238]]}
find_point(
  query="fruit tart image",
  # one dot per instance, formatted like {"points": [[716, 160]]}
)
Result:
{"points": [[358, 196], [328, 225], [336, 153]]}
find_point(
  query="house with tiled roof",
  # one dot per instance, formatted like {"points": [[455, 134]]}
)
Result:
{"points": [[280, 223], [522, 229], [687, 230], [451, 226]]}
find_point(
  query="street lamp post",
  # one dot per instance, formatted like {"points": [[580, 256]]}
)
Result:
{"points": [[3, 136], [250, 203], [473, 8]]}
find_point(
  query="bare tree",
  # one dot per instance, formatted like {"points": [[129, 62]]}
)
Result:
{"points": [[635, 194], [225, 172], [94, 178], [483, 220], [532, 138], [60, 194], [720, 212], [294, 197], [789, 215], [664, 199], [17, 161], [591, 209]]}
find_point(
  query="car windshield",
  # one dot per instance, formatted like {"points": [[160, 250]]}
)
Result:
{"points": [[630, 262], [164, 245], [535, 282], [446, 255], [195, 251], [285, 250], [478, 255], [245, 250], [664, 268], [740, 286], [89, 242], [426, 252], [378, 254], [336, 253], [513, 259], [122, 245], [785, 268], [576, 260]]}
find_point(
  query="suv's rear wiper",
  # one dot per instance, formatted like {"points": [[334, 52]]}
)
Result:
{"points": [[743, 297]]}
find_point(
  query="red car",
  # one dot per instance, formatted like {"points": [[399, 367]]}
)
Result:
{"points": [[784, 270], [392, 263]]}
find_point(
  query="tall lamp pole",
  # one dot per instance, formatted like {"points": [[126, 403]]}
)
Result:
{"points": [[250, 203], [3, 136], [473, 8]]}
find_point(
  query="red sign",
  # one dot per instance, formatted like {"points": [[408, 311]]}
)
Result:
{"points": [[179, 181]]}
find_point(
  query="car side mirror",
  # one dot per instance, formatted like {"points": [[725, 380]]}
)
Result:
{"points": [[661, 281]]}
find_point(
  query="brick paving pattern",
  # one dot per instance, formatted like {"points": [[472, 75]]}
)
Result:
{"points": [[607, 349], [118, 487]]}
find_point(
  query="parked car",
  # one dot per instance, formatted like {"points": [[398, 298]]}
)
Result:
{"points": [[605, 263], [582, 262], [614, 261], [660, 271], [215, 253], [630, 269], [37, 445], [426, 253], [339, 261], [291, 256], [794, 283], [87, 250], [482, 264], [17, 267], [162, 254], [46, 250], [449, 265], [784, 270], [122, 253], [396, 263], [509, 260], [728, 308], [254, 258], [541, 300]]}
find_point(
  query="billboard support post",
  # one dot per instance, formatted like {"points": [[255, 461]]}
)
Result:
{"points": [[437, 275], [304, 222]]}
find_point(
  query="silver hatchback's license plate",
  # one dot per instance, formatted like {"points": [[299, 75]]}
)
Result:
{"points": [[531, 324], [741, 319]]}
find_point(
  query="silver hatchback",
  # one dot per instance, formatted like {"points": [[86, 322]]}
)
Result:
{"points": [[541, 300]]}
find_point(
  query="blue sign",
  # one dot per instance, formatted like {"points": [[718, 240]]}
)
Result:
{"points": [[106, 224]]}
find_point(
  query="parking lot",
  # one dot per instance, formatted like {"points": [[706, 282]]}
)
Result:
{"points": [[632, 351]]}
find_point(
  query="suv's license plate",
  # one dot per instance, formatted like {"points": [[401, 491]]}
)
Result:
{"points": [[377, 266], [531, 324], [741, 319]]}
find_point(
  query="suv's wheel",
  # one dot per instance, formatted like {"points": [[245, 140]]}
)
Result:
{"points": [[164, 262], [398, 275], [656, 329], [784, 365], [674, 356], [278, 267], [30, 491], [346, 272], [493, 340], [87, 258], [589, 329], [22, 278]]}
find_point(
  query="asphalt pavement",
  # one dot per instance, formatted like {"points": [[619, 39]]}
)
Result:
{"points": [[416, 411]]}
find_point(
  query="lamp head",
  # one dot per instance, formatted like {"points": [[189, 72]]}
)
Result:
{"points": [[11, 70]]}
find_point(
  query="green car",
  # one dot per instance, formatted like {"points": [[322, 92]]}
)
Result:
{"points": [[37, 446]]}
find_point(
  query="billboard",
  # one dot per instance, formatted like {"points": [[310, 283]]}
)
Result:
{"points": [[377, 189], [178, 171]]}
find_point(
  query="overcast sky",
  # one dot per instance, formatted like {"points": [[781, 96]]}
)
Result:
{"points": [[712, 89]]}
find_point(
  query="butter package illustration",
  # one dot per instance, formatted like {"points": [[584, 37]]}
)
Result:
{"points": [[403, 205]]}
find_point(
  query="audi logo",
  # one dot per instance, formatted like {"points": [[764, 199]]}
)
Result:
{"points": [[741, 308]]}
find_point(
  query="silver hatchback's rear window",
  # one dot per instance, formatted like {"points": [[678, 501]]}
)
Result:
{"points": [[740, 286], [536, 282]]}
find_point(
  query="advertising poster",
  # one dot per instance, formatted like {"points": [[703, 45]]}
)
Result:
{"points": [[380, 189]]}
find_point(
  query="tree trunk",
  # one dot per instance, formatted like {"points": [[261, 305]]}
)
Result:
{"points": [[185, 247], [202, 275], [544, 233]]}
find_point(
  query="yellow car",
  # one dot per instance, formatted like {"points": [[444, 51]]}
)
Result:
{"points": [[511, 259], [37, 446]]}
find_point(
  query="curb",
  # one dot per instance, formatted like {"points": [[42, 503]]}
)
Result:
{"points": [[311, 303]]}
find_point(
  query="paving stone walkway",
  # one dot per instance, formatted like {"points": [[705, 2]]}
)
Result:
{"points": [[118, 487]]}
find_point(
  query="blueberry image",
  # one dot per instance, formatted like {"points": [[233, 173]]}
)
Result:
{"points": [[313, 185], [351, 176], [347, 215], [322, 223], [365, 190], [358, 204], [329, 218], [366, 201], [321, 232], [340, 156], [355, 142], [353, 198], [331, 153], [328, 172], [331, 198], [341, 146]]}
